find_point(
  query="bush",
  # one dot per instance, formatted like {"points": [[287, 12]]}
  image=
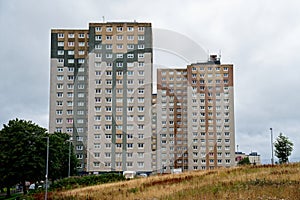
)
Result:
{"points": [[77, 181]]}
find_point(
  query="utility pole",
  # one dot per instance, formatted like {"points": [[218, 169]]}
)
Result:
{"points": [[272, 159], [46, 187], [69, 166]]}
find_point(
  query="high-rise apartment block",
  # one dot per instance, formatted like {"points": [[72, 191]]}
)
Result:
{"points": [[101, 95], [195, 129]]}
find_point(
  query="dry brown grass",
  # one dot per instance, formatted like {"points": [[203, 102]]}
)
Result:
{"points": [[261, 182]]}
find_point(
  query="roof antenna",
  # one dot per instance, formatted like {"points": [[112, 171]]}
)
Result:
{"points": [[220, 54], [208, 55], [103, 19]]}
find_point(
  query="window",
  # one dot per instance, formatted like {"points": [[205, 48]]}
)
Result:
{"points": [[130, 73], [140, 145], [130, 82], [129, 90], [141, 126], [140, 55], [70, 94], [71, 44], [141, 46], [61, 35], [97, 145], [98, 29], [108, 55], [141, 73], [69, 130], [60, 44], [109, 29], [120, 46], [59, 121], [98, 46], [59, 86], [119, 64], [141, 38], [130, 37], [130, 46], [69, 112], [119, 55], [108, 73], [60, 52], [141, 28], [60, 77], [119, 29], [130, 28], [140, 154], [59, 112], [140, 164], [141, 64], [107, 127], [141, 91], [140, 108], [109, 37], [119, 73], [81, 35], [119, 37], [109, 46], [79, 147], [141, 99], [130, 55]]}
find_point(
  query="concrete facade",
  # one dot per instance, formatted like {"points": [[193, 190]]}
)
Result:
{"points": [[195, 130], [101, 94]]}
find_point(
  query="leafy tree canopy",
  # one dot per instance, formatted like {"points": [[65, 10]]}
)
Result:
{"points": [[23, 148], [283, 148], [244, 161]]}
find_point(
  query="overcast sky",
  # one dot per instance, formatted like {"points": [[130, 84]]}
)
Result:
{"points": [[261, 39]]}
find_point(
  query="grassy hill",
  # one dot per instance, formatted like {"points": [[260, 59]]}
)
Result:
{"points": [[256, 182]]}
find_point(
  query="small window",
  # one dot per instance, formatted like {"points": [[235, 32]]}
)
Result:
{"points": [[130, 28]]}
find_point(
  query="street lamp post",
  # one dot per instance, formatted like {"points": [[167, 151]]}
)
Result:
{"points": [[46, 187], [272, 159], [69, 163]]}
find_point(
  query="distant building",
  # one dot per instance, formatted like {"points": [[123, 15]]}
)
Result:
{"points": [[195, 126], [254, 157], [239, 156], [101, 94]]}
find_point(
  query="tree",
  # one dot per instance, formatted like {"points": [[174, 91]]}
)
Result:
{"points": [[244, 161], [23, 154], [283, 148], [59, 156]]}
